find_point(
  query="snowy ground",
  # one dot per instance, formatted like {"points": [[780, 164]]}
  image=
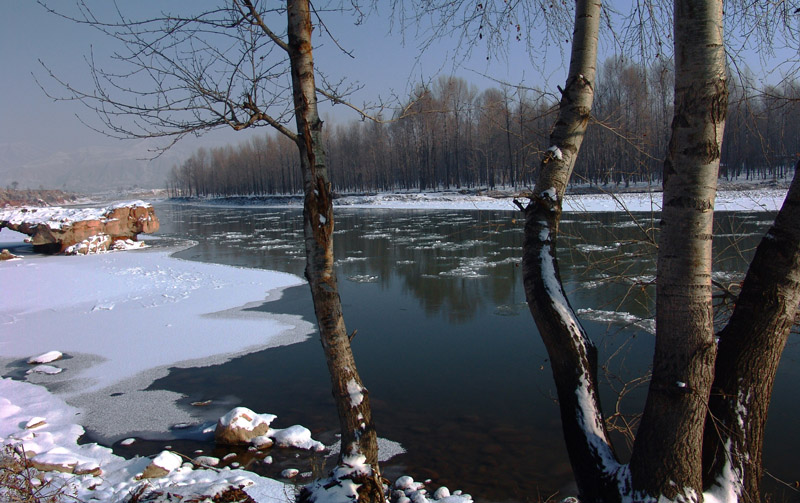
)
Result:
{"points": [[122, 319]]}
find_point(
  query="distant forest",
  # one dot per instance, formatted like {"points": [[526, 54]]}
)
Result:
{"points": [[454, 137]]}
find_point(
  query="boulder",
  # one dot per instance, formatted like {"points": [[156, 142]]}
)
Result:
{"points": [[240, 426], [54, 229]]}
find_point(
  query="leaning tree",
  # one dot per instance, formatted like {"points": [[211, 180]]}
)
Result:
{"points": [[227, 66]]}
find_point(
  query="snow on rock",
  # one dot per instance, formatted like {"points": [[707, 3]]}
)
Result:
{"points": [[296, 436], [35, 422], [206, 461], [59, 228], [406, 490], [48, 357], [241, 425], [45, 369], [162, 465], [93, 472], [290, 473], [93, 244], [262, 442]]}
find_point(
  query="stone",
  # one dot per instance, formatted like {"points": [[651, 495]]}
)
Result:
{"points": [[240, 426], [7, 255], [54, 229], [162, 465]]}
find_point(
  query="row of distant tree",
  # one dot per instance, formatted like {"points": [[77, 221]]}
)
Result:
{"points": [[453, 136]]}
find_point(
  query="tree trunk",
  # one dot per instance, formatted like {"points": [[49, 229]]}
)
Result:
{"points": [[750, 348], [667, 456], [351, 397], [573, 357]]}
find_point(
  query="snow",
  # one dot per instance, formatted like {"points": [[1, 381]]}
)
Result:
{"points": [[108, 312], [48, 357], [56, 216], [355, 392], [590, 422], [168, 461], [556, 152], [763, 199], [648, 199], [242, 417], [296, 436], [55, 443]]}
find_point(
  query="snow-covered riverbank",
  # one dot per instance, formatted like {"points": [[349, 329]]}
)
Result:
{"points": [[761, 199]]}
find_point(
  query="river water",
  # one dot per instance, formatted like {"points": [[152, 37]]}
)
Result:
{"points": [[456, 370]]}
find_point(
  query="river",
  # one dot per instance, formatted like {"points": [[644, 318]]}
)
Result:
{"points": [[456, 370]]}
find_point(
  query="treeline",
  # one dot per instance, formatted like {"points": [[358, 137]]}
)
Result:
{"points": [[453, 136]]}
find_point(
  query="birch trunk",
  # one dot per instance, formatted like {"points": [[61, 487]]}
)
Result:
{"points": [[351, 397], [750, 348], [667, 459], [573, 356]]}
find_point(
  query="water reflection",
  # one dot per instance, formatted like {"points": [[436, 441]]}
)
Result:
{"points": [[456, 370]]}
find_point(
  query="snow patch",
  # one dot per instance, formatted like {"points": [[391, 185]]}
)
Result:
{"points": [[355, 392], [556, 152], [296, 436]]}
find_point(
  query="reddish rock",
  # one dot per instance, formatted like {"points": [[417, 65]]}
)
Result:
{"points": [[53, 229]]}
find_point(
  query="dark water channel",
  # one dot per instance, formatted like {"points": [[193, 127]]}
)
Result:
{"points": [[456, 370]]}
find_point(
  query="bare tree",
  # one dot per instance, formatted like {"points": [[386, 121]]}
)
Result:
{"points": [[227, 67], [667, 460]]}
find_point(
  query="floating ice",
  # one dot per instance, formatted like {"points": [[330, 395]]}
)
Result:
{"points": [[363, 278]]}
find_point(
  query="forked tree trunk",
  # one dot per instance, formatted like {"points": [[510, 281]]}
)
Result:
{"points": [[667, 457], [573, 356], [750, 348], [351, 397]]}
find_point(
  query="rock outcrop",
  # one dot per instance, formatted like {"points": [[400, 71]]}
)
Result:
{"points": [[54, 229]]}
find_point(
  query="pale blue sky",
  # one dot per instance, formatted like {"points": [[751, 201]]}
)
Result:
{"points": [[383, 62]]}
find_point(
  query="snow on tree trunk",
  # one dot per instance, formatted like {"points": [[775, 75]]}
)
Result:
{"points": [[667, 456], [750, 348], [573, 356], [355, 416]]}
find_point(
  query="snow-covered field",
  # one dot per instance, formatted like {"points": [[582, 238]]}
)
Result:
{"points": [[122, 319]]}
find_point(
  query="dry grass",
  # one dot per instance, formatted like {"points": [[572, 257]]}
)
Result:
{"points": [[20, 483]]}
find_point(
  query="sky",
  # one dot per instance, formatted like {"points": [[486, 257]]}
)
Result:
{"points": [[386, 60]]}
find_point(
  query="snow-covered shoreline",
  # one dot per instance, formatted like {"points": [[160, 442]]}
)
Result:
{"points": [[761, 199], [123, 319]]}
